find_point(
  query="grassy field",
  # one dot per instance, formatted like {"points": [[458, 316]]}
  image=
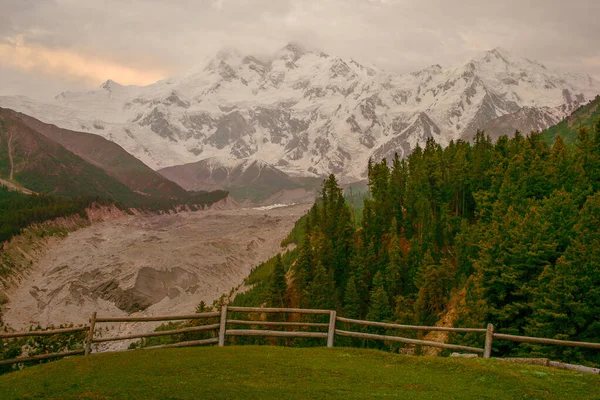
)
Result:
{"points": [[252, 372]]}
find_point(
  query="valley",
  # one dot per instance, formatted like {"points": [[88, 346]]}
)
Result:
{"points": [[147, 264], [390, 179]]}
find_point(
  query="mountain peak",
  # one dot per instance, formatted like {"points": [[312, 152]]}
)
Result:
{"points": [[292, 51], [110, 85], [228, 54], [500, 51], [225, 61], [497, 54], [430, 70]]}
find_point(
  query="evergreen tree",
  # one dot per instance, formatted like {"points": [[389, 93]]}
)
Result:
{"points": [[278, 285], [435, 285], [379, 306], [352, 301], [321, 291], [304, 266], [398, 279], [567, 304]]}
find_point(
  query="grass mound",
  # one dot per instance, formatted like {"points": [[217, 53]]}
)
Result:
{"points": [[253, 372]]}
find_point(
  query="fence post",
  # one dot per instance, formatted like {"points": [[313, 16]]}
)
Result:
{"points": [[222, 326], [331, 330], [90, 337], [489, 338]]}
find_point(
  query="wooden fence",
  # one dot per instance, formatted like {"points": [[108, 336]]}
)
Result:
{"points": [[222, 331]]}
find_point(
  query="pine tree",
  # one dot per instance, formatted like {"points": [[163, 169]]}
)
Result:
{"points": [[304, 266], [397, 189], [278, 285], [379, 306], [321, 291], [396, 275], [514, 252], [567, 303], [435, 285], [352, 301]]}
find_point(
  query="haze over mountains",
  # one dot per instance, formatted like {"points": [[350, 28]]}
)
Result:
{"points": [[308, 113]]}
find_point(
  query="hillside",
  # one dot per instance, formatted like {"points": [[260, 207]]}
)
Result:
{"points": [[587, 115], [44, 166], [250, 372], [31, 160], [309, 113], [111, 157], [245, 180]]}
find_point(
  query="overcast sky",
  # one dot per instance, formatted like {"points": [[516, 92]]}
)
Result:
{"points": [[48, 46]]}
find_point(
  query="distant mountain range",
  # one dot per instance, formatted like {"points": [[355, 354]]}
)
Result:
{"points": [[307, 113]]}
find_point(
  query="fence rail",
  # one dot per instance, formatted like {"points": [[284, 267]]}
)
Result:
{"points": [[160, 333], [270, 323], [158, 318], [530, 339], [40, 357], [42, 333], [407, 341], [410, 327], [278, 310], [222, 331], [250, 332]]}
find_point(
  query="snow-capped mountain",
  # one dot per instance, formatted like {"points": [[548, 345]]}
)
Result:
{"points": [[310, 113]]}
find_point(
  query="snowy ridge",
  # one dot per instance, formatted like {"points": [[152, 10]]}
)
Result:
{"points": [[309, 113]]}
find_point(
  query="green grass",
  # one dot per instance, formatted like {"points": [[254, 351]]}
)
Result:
{"points": [[252, 372]]}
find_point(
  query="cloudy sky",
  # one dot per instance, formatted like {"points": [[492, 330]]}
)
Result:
{"points": [[48, 46]]}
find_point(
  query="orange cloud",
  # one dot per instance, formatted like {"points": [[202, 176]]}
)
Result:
{"points": [[62, 62], [593, 61]]}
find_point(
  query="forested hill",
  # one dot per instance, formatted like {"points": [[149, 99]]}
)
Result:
{"points": [[507, 230], [586, 115]]}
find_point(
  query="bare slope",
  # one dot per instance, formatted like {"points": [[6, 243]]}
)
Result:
{"points": [[160, 264]]}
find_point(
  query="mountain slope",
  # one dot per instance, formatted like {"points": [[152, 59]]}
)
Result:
{"points": [[586, 115], [44, 166], [110, 157], [31, 160], [525, 120], [309, 113], [245, 180]]}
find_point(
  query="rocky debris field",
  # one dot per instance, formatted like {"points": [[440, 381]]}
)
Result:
{"points": [[147, 265]]}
